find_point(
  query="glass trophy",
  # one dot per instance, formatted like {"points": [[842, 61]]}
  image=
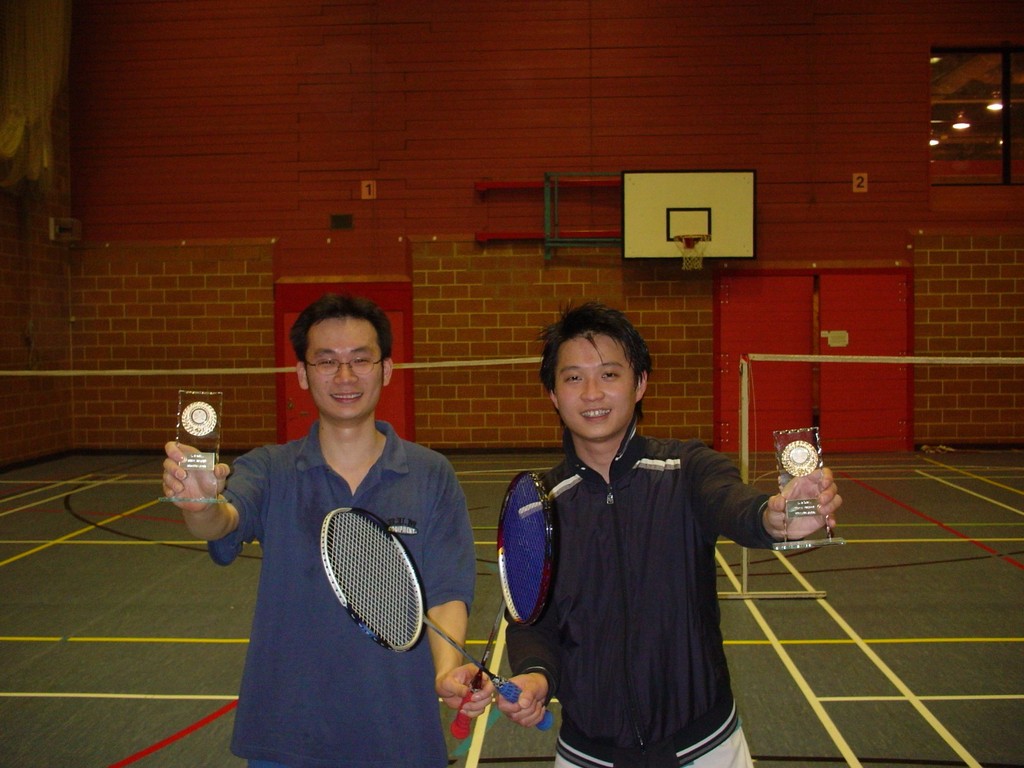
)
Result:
{"points": [[199, 426], [798, 453]]}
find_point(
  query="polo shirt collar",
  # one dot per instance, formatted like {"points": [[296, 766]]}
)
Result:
{"points": [[394, 459]]}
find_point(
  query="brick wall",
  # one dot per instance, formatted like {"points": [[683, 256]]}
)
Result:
{"points": [[969, 302], [178, 307], [163, 306], [491, 303], [34, 310], [426, 102], [477, 303]]}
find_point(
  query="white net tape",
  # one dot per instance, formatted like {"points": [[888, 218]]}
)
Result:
{"points": [[1007, 364]]}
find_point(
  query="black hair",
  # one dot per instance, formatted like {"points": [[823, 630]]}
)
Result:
{"points": [[587, 321], [331, 306]]}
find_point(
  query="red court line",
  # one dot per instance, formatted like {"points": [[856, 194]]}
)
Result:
{"points": [[943, 526], [175, 737]]}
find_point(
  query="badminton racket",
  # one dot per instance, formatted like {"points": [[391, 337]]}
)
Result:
{"points": [[525, 559], [460, 725], [526, 549], [374, 578]]}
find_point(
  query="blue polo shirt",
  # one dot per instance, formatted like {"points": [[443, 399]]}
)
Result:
{"points": [[316, 691]]}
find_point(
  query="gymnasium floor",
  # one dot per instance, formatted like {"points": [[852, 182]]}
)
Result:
{"points": [[122, 644]]}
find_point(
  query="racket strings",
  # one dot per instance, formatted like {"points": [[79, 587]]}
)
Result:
{"points": [[524, 543], [377, 581]]}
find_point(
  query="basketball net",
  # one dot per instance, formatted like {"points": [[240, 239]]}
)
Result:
{"points": [[692, 248]]}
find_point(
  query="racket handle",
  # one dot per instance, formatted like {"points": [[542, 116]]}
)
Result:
{"points": [[546, 722], [460, 725], [511, 693]]}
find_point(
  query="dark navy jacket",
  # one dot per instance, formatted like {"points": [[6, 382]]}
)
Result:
{"points": [[630, 639]]}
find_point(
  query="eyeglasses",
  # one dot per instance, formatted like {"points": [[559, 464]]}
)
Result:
{"points": [[360, 366]]}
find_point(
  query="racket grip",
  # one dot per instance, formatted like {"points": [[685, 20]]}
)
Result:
{"points": [[460, 725], [511, 693], [546, 722]]}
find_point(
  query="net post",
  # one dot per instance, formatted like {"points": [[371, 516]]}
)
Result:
{"points": [[744, 592], [744, 456], [744, 420]]}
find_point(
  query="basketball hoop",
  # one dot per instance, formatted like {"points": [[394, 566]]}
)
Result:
{"points": [[692, 248]]}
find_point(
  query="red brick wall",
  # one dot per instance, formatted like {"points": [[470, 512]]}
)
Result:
{"points": [[210, 305], [154, 307], [34, 311], [491, 303], [34, 333], [969, 302], [478, 303], [266, 123], [176, 307]]}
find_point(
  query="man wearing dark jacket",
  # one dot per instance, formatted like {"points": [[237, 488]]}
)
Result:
{"points": [[630, 641]]}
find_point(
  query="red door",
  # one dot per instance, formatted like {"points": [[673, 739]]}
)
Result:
{"points": [[866, 406], [770, 314], [857, 406], [295, 409]]}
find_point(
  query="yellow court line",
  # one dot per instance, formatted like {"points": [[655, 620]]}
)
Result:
{"points": [[983, 479], [73, 534], [114, 543], [64, 481], [960, 488], [142, 640], [126, 478], [193, 640], [118, 696], [929, 540], [958, 523], [490, 543], [801, 682], [896, 640], [476, 743], [912, 698], [37, 502], [883, 641], [232, 697], [937, 697], [85, 639], [142, 696]]}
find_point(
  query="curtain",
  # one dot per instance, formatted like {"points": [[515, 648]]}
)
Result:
{"points": [[34, 43]]}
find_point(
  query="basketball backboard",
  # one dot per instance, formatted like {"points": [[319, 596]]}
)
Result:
{"points": [[658, 206]]}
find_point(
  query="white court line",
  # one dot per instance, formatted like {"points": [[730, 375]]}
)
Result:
{"points": [[969, 492], [908, 695], [28, 373], [830, 727]]}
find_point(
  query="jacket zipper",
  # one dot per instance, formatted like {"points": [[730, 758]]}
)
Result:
{"points": [[634, 706]]}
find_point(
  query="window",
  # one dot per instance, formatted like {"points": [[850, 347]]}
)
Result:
{"points": [[976, 137]]}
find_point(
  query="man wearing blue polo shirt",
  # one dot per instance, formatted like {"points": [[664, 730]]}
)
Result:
{"points": [[316, 691]]}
